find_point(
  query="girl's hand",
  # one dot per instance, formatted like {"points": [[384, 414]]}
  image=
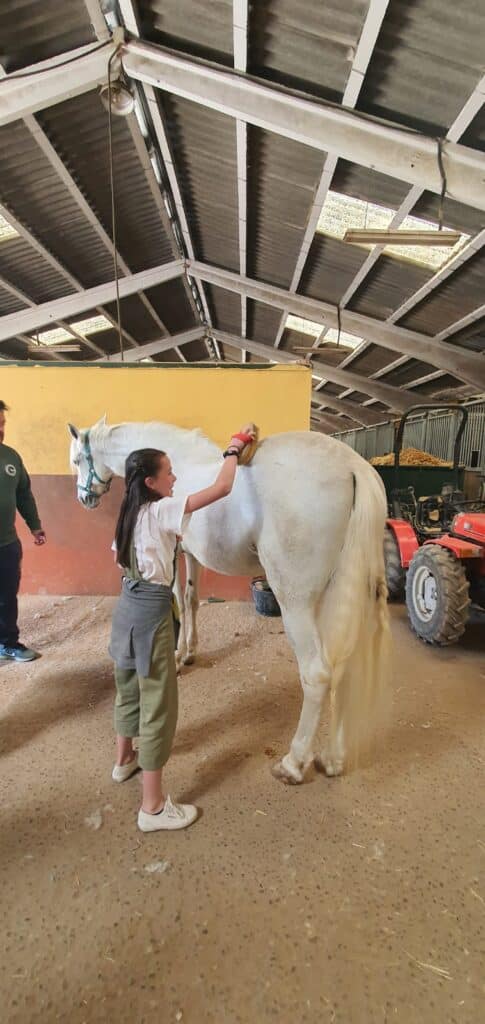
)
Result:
{"points": [[245, 436]]}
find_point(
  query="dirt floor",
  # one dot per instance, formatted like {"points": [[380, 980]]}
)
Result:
{"points": [[354, 901]]}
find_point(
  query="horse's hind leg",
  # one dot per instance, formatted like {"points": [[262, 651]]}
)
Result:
{"points": [[315, 676], [332, 759]]}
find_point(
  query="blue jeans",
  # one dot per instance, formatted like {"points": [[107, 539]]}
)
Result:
{"points": [[10, 560]]}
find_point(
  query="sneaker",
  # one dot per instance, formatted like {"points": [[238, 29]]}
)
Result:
{"points": [[17, 652], [122, 772], [172, 816]]}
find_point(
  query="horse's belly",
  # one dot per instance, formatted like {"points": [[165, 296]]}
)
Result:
{"points": [[236, 560], [222, 537]]}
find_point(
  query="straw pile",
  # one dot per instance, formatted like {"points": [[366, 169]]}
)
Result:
{"points": [[410, 457]]}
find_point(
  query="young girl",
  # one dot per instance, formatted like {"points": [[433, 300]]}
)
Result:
{"points": [[142, 637]]}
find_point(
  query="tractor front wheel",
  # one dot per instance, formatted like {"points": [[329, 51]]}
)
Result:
{"points": [[437, 595]]}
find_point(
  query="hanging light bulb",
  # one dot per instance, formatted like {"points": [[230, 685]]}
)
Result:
{"points": [[122, 100]]}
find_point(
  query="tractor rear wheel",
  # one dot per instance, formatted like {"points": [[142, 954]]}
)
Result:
{"points": [[395, 574], [437, 595]]}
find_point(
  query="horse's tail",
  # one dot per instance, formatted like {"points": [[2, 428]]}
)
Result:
{"points": [[355, 618]]}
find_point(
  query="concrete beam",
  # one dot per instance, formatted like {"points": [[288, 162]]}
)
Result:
{"points": [[467, 366], [153, 348], [393, 397], [395, 151], [364, 417], [53, 81], [32, 319]]}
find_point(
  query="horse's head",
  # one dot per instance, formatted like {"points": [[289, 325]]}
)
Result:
{"points": [[93, 476]]}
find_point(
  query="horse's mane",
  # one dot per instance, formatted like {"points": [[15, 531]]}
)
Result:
{"points": [[177, 438]]}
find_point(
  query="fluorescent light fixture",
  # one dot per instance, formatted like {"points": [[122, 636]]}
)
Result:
{"points": [[52, 337], [341, 214], [54, 348], [92, 325], [367, 236], [6, 230], [298, 323]]}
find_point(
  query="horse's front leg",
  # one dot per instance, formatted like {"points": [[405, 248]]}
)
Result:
{"points": [[191, 606], [181, 651]]}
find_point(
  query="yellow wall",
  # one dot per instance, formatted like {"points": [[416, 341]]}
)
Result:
{"points": [[219, 400]]}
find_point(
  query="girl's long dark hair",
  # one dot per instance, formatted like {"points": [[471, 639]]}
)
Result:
{"points": [[140, 464]]}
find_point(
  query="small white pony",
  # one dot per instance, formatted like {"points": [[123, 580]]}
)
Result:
{"points": [[311, 513]]}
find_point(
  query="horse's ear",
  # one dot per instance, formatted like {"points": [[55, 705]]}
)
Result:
{"points": [[74, 432], [101, 422]]}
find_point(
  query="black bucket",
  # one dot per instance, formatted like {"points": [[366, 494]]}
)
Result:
{"points": [[264, 599]]}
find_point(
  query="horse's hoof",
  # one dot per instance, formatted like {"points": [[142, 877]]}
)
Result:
{"points": [[286, 773], [330, 766], [189, 660]]}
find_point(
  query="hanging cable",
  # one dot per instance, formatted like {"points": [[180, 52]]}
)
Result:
{"points": [[339, 324], [113, 205], [443, 183]]}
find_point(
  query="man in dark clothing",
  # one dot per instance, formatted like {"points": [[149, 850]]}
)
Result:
{"points": [[15, 493]]}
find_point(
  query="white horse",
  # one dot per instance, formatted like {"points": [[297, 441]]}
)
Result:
{"points": [[308, 511]]}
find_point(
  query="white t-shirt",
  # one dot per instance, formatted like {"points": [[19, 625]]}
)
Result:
{"points": [[158, 525]]}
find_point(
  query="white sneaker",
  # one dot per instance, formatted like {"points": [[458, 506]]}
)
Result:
{"points": [[172, 816], [122, 772]]}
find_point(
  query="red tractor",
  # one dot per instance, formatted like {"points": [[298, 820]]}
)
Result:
{"points": [[435, 542]]}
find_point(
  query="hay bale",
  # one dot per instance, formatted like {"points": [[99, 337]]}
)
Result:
{"points": [[410, 457]]}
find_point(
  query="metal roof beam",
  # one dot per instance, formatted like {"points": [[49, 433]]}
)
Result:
{"points": [[398, 152], [356, 412], [390, 396], [334, 424], [467, 366], [153, 348], [53, 81], [70, 305]]}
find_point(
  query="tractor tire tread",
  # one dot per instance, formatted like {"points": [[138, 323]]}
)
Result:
{"points": [[455, 604]]}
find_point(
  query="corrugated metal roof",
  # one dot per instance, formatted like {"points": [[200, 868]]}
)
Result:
{"points": [[330, 267], [282, 177], [427, 61], [409, 371], [78, 129], [459, 295], [203, 145], [171, 302], [32, 187], [202, 28], [444, 388], [225, 309], [32, 30], [372, 359], [9, 303], [24, 267], [389, 283], [305, 43], [263, 322], [368, 185]]}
